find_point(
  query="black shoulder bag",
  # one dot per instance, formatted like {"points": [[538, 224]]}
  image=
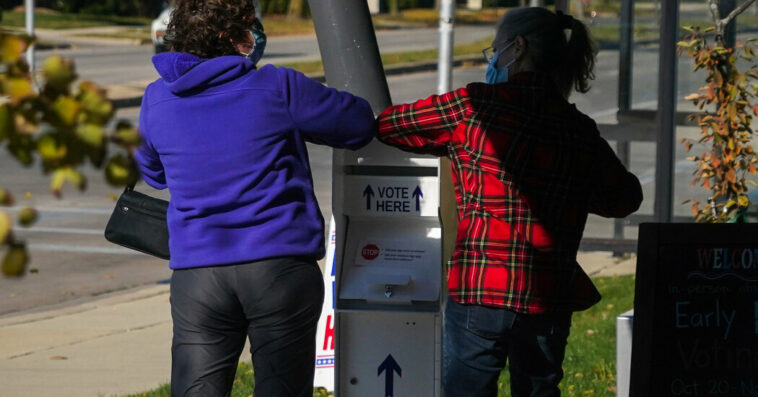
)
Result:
{"points": [[139, 222]]}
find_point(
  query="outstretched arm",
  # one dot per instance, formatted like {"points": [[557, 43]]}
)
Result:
{"points": [[327, 116], [618, 192], [425, 126]]}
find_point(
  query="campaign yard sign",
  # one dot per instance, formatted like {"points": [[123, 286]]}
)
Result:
{"points": [[325, 359], [696, 311]]}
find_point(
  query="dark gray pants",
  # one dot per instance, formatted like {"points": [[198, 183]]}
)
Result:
{"points": [[274, 302]]}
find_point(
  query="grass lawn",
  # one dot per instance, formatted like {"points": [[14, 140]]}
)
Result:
{"points": [[55, 20], [590, 363]]}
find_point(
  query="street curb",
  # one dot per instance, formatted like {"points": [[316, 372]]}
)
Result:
{"points": [[405, 68]]}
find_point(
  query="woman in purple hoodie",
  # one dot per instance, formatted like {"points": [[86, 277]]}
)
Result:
{"points": [[229, 142]]}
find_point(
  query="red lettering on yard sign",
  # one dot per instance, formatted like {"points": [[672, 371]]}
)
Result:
{"points": [[370, 252], [329, 334]]}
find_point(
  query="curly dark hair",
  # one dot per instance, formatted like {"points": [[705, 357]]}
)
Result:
{"points": [[204, 27]]}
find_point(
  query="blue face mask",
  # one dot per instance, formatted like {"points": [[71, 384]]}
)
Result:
{"points": [[259, 38], [497, 75]]}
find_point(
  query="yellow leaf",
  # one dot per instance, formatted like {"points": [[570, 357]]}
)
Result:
{"points": [[67, 174], [128, 134], [50, 149], [67, 109], [120, 170], [17, 89], [11, 47], [743, 201], [59, 72], [5, 226], [731, 111], [718, 80]]}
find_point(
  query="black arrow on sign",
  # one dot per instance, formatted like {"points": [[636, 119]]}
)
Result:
{"points": [[390, 366], [417, 194], [368, 192]]}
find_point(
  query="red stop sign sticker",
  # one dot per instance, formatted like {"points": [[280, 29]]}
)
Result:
{"points": [[370, 252]]}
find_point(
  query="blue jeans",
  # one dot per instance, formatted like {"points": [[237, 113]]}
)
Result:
{"points": [[479, 340]]}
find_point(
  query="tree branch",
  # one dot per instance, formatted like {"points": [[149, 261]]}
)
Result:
{"points": [[713, 5], [737, 11]]}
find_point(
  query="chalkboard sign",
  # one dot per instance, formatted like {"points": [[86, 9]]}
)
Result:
{"points": [[696, 311]]}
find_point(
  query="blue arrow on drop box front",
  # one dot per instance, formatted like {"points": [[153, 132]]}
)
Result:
{"points": [[418, 195], [389, 366], [368, 192]]}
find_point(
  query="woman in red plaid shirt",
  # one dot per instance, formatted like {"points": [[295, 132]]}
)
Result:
{"points": [[527, 168]]}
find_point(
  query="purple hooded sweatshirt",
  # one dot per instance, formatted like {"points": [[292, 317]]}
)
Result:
{"points": [[228, 141]]}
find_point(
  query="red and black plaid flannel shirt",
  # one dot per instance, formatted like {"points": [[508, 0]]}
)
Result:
{"points": [[527, 168]]}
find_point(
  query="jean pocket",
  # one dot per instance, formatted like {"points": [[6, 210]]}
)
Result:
{"points": [[489, 322]]}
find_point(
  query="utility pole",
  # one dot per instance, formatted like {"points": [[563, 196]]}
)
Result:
{"points": [[29, 8], [664, 161]]}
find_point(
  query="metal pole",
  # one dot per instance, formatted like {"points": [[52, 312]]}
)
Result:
{"points": [[562, 6], [445, 62], [448, 210], [347, 43], [667, 67], [626, 44], [730, 32], [29, 8], [625, 55]]}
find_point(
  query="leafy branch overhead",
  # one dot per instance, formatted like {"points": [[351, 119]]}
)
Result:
{"points": [[727, 107], [59, 128], [721, 23]]}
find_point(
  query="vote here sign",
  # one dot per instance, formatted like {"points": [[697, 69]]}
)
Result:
{"points": [[392, 196]]}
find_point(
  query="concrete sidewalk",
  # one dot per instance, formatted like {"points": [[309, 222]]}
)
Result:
{"points": [[121, 343]]}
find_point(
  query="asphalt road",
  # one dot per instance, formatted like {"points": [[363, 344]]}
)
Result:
{"points": [[74, 262], [113, 63]]}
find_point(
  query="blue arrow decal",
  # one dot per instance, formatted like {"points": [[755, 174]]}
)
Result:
{"points": [[368, 192], [390, 366], [417, 194]]}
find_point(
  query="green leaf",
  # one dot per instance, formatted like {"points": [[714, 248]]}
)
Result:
{"points": [[7, 126], [15, 261], [6, 198], [27, 216], [127, 134], [91, 134], [50, 149], [120, 171], [97, 107], [67, 110]]}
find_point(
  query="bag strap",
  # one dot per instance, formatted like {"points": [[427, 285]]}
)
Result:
{"points": [[129, 187]]}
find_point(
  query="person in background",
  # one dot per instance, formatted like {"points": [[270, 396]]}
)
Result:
{"points": [[527, 168], [228, 139]]}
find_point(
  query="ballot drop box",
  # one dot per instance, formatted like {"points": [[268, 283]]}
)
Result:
{"points": [[389, 273]]}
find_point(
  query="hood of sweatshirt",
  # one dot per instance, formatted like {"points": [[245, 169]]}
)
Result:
{"points": [[184, 72]]}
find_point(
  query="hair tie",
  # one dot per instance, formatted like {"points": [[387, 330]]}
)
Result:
{"points": [[565, 21]]}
